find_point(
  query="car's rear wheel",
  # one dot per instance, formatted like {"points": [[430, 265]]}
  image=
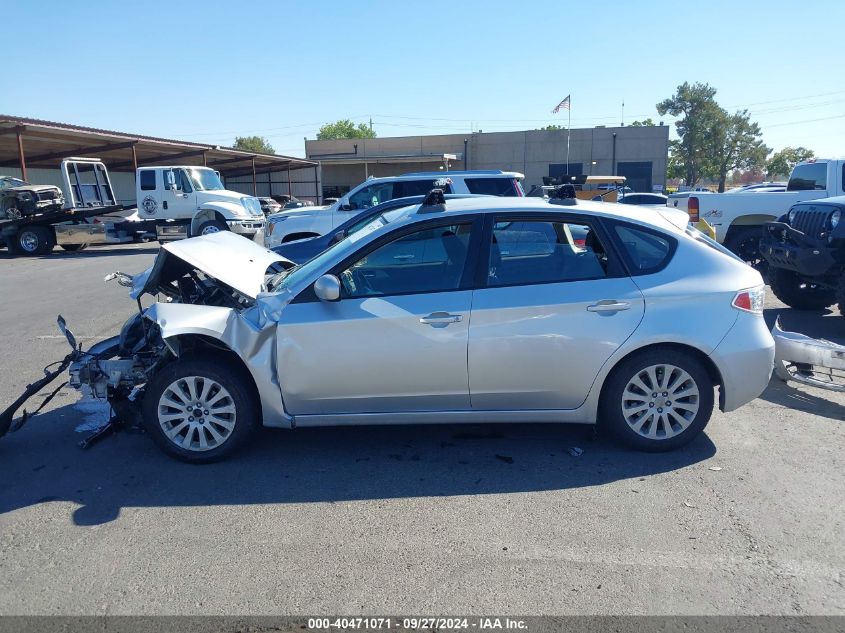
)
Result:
{"points": [[796, 293], [200, 409], [657, 400]]}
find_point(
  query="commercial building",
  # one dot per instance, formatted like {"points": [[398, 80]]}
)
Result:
{"points": [[638, 153]]}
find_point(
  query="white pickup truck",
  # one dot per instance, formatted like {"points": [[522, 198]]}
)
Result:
{"points": [[187, 200], [738, 219]]}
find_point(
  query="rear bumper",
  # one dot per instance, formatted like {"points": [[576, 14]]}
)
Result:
{"points": [[785, 247], [809, 361], [745, 360]]}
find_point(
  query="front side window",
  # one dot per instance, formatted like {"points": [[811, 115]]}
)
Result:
{"points": [[429, 260], [536, 251], [508, 187], [182, 181]]}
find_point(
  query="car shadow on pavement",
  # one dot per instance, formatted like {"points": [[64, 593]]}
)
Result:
{"points": [[42, 463]]}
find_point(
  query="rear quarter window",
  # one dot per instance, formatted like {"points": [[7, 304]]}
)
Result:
{"points": [[148, 180], [644, 251], [808, 177]]}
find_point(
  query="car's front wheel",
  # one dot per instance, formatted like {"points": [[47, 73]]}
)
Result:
{"points": [[657, 400], [200, 409]]}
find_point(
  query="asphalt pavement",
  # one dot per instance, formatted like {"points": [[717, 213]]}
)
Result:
{"points": [[474, 519]]}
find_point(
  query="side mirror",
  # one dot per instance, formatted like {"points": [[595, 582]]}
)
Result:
{"points": [[170, 180], [345, 207], [337, 237], [327, 288]]}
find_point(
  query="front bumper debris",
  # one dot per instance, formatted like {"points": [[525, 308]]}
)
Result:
{"points": [[809, 361]]}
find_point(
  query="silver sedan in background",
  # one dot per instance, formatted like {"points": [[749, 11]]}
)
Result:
{"points": [[475, 310]]}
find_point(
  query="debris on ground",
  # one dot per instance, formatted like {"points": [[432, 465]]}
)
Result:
{"points": [[505, 458], [575, 451], [716, 468], [688, 504]]}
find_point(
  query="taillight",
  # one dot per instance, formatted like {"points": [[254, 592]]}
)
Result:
{"points": [[750, 300], [692, 209]]}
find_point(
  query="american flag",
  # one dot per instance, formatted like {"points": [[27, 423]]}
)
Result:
{"points": [[563, 104]]}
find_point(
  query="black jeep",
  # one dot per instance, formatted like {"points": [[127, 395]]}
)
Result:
{"points": [[805, 250]]}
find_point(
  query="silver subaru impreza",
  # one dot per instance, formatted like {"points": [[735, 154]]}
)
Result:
{"points": [[475, 310]]}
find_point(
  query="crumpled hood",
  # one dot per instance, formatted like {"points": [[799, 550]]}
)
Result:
{"points": [[232, 259], [34, 188]]}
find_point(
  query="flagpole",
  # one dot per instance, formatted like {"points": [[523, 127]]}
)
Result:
{"points": [[568, 133]]}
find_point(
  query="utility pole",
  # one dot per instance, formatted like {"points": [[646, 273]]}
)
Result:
{"points": [[371, 123]]}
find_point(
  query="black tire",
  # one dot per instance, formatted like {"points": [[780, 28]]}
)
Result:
{"points": [[840, 294], [212, 226], [72, 248], [239, 394], [744, 242], [33, 241], [613, 418], [796, 293]]}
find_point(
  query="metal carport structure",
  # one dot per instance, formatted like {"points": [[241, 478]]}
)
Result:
{"points": [[34, 143]]}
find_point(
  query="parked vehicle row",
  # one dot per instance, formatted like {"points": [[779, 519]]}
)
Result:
{"points": [[314, 221], [458, 310]]}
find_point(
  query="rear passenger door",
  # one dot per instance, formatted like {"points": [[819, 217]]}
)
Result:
{"points": [[553, 303]]}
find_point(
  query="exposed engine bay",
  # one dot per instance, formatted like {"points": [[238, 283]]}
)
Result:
{"points": [[207, 300]]}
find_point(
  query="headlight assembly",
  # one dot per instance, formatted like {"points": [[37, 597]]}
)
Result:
{"points": [[834, 218], [791, 216]]}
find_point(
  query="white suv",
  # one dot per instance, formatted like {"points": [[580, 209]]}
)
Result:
{"points": [[298, 224]]}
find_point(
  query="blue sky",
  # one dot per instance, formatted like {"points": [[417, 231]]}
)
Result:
{"points": [[208, 71]]}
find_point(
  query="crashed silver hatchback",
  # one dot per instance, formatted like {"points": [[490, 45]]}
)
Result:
{"points": [[487, 310]]}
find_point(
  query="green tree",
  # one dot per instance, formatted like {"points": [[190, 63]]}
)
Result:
{"points": [[344, 129], [736, 144], [644, 123], [257, 144], [782, 162], [699, 113], [551, 128]]}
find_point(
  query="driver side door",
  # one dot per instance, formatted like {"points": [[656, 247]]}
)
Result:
{"points": [[396, 341]]}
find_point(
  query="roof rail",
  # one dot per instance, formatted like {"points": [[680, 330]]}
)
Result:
{"points": [[472, 172]]}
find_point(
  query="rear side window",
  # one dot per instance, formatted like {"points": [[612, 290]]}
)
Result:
{"points": [[148, 180], [645, 251], [808, 177], [405, 188], [494, 186], [537, 252]]}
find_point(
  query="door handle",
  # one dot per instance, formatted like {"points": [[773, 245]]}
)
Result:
{"points": [[441, 319], [609, 305]]}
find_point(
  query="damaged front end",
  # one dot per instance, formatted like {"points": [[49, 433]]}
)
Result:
{"points": [[211, 298], [809, 361]]}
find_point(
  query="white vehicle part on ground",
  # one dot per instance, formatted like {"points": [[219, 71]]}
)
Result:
{"points": [[809, 361]]}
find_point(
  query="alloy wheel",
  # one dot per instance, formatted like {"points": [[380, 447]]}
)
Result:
{"points": [[660, 401], [197, 413]]}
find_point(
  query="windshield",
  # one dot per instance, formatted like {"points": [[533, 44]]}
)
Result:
{"points": [[205, 179], [293, 276], [8, 181]]}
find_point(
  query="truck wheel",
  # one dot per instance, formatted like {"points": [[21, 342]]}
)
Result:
{"points": [[72, 248], [744, 242], [33, 241], [796, 293], [212, 226], [657, 400], [200, 409]]}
